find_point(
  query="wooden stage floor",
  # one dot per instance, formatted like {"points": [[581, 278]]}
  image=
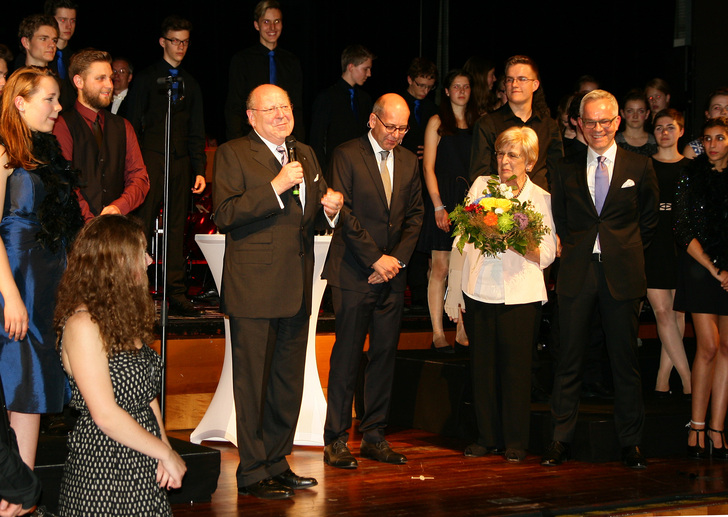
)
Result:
{"points": [[439, 480]]}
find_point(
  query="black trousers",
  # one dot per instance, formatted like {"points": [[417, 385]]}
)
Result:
{"points": [[501, 341], [620, 323], [378, 312], [269, 356], [179, 201]]}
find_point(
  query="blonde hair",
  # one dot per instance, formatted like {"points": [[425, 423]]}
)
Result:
{"points": [[525, 137]]}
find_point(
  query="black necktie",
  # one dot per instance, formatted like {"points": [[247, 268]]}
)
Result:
{"points": [[98, 132]]}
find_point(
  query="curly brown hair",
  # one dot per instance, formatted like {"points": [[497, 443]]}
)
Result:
{"points": [[106, 274]]}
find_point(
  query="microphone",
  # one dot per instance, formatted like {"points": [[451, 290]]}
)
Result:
{"points": [[291, 147]]}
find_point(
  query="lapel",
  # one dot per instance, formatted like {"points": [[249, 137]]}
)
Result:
{"points": [[619, 176], [397, 175], [311, 190], [371, 163], [583, 184], [261, 154]]}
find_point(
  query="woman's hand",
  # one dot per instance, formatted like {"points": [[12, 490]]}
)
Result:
{"points": [[171, 470], [722, 277], [442, 220], [16, 317]]}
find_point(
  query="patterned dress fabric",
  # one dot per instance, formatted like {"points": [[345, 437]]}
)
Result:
{"points": [[102, 477]]}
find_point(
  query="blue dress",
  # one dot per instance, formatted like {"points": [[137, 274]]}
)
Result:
{"points": [[32, 374]]}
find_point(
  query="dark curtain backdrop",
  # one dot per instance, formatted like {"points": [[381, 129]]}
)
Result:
{"points": [[622, 43]]}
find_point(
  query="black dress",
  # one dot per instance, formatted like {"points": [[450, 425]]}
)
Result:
{"points": [[102, 476], [661, 254], [701, 204], [451, 170]]}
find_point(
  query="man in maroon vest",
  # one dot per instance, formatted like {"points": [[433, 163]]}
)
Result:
{"points": [[101, 145]]}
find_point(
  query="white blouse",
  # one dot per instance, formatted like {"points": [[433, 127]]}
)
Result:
{"points": [[510, 278]]}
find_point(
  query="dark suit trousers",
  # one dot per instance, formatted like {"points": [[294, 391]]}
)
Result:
{"points": [[269, 356], [378, 312], [501, 339], [179, 202], [620, 323]]}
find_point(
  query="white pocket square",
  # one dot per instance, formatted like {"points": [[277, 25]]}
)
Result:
{"points": [[628, 183], [316, 179]]}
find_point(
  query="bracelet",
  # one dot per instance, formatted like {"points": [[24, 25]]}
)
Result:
{"points": [[441, 207]]}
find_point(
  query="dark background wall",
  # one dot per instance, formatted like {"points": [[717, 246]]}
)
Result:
{"points": [[622, 43]]}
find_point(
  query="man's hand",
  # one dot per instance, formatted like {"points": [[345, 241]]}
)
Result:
{"points": [[291, 174], [200, 184], [420, 152], [386, 267], [332, 202], [110, 209]]}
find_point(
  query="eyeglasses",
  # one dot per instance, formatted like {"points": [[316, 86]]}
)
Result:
{"points": [[121, 71], [591, 124], [511, 155], [178, 42], [427, 87], [390, 129], [519, 80], [268, 111]]}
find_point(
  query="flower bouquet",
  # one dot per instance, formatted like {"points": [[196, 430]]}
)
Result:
{"points": [[496, 221]]}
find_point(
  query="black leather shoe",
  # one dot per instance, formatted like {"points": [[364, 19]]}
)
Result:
{"points": [[210, 296], [633, 458], [337, 454], [475, 450], [515, 455], [182, 307], [556, 453], [597, 390], [381, 451], [267, 489], [291, 480]]}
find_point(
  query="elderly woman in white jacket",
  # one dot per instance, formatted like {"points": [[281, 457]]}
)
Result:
{"points": [[502, 300]]}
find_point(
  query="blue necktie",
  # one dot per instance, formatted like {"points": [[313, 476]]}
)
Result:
{"points": [[59, 64], [601, 184], [352, 102], [175, 85], [273, 73], [418, 111]]}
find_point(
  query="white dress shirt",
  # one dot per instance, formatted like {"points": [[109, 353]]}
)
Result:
{"points": [[591, 171]]}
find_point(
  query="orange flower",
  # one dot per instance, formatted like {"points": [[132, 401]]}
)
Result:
{"points": [[491, 219]]}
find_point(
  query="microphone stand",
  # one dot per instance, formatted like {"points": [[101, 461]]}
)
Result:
{"points": [[169, 81]]}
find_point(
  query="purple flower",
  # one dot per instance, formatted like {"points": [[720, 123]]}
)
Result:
{"points": [[521, 220]]}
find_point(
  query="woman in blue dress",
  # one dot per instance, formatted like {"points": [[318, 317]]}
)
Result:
{"points": [[40, 216]]}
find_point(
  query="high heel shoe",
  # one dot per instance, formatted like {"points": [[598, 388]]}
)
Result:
{"points": [[696, 451], [715, 452], [447, 349]]}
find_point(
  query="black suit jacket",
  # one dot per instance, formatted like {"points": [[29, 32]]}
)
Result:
{"points": [[625, 226], [250, 68], [368, 228], [333, 122], [268, 266]]}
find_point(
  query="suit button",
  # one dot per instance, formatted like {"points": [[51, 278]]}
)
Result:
{"points": [[301, 228], [300, 254]]}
